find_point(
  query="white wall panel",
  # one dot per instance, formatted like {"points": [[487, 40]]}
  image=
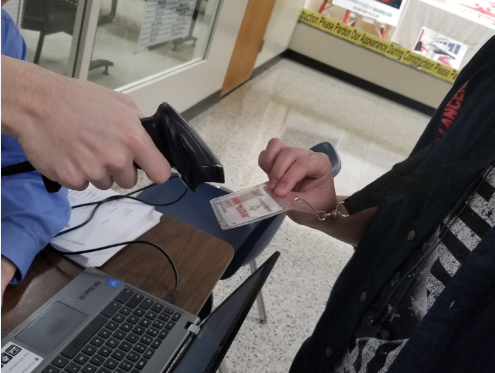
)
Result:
{"points": [[368, 65], [189, 85], [280, 28]]}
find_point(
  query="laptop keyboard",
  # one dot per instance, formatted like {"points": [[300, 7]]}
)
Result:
{"points": [[121, 339]]}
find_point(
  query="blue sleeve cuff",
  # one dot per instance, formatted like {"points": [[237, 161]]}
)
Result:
{"points": [[20, 248], [31, 217]]}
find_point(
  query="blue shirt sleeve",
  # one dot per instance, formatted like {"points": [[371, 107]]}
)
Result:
{"points": [[13, 44], [30, 215]]}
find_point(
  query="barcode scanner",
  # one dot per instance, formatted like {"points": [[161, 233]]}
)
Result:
{"points": [[180, 144], [184, 149]]}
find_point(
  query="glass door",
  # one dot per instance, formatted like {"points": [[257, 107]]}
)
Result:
{"points": [[115, 43], [52, 30], [174, 51], [137, 40]]}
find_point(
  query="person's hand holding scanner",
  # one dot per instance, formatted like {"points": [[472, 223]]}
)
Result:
{"points": [[75, 132]]}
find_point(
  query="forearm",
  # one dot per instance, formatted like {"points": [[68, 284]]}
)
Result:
{"points": [[22, 91], [348, 229], [29, 94]]}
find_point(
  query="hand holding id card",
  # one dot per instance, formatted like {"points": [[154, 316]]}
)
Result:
{"points": [[247, 206], [257, 203]]}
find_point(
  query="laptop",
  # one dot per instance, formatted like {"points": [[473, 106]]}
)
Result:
{"points": [[98, 324]]}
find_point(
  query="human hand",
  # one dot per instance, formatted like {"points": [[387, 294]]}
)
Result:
{"points": [[8, 272], [299, 172], [75, 132]]}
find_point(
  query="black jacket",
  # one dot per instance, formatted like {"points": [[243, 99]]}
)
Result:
{"points": [[458, 333]]}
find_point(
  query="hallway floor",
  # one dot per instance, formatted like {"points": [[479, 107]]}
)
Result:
{"points": [[302, 107]]}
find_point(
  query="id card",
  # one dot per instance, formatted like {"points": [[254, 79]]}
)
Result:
{"points": [[246, 206]]}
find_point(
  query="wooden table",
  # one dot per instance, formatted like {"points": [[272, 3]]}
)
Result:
{"points": [[200, 259]]}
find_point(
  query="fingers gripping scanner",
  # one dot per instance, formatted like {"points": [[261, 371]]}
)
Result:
{"points": [[179, 143]]}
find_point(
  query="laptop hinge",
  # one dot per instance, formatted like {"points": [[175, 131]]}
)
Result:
{"points": [[194, 329]]}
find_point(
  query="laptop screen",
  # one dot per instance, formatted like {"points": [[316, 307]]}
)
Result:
{"points": [[206, 351]]}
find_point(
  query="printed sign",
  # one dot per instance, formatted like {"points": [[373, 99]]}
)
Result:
{"points": [[440, 48], [485, 8], [165, 20], [378, 45], [384, 11], [17, 359]]}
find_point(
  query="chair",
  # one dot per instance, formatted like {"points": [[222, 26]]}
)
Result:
{"points": [[194, 209], [329, 150], [53, 16]]}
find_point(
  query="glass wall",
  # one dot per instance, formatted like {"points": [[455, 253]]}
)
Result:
{"points": [[48, 26], [140, 39], [125, 42]]}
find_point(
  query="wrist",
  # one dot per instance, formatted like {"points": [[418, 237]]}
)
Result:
{"points": [[327, 219], [8, 272], [22, 94], [10, 96], [312, 219]]}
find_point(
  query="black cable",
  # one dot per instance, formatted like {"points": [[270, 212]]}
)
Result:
{"points": [[17, 168], [122, 196], [170, 297], [115, 198], [82, 224]]}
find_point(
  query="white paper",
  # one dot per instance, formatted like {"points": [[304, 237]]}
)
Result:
{"points": [[387, 12], [116, 221]]}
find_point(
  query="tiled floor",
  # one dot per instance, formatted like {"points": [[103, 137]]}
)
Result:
{"points": [[302, 107]]}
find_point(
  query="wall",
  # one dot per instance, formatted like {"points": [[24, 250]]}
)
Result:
{"points": [[280, 28], [368, 65], [189, 85]]}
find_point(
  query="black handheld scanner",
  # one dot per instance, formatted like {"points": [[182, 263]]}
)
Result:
{"points": [[184, 149]]}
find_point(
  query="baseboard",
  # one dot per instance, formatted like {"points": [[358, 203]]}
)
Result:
{"points": [[361, 83], [265, 66], [212, 99], [201, 106]]}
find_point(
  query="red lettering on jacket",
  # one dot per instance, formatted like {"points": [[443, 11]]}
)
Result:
{"points": [[450, 111], [446, 122], [457, 105], [460, 95]]}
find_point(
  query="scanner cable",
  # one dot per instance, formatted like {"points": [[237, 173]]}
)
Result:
{"points": [[170, 297]]}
